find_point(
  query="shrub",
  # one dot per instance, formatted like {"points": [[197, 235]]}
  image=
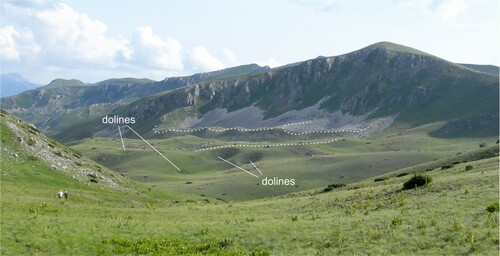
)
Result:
{"points": [[226, 242], [204, 231], [259, 252], [32, 158], [396, 222], [492, 207], [332, 186], [327, 189], [417, 181], [31, 141], [469, 167], [380, 179], [167, 246], [94, 180], [402, 174], [448, 166], [336, 185]]}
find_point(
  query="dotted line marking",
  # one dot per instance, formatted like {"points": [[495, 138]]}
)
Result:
{"points": [[269, 145], [300, 123], [282, 128], [326, 131], [215, 130], [259, 130]]}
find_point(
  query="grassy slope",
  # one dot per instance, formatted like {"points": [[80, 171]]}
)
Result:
{"points": [[448, 217], [26, 178]]}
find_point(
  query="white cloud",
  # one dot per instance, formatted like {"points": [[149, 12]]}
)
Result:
{"points": [[271, 62], [15, 45], [68, 34], [448, 9], [321, 5], [445, 9], [152, 51], [63, 37], [202, 60], [53, 39], [230, 56], [30, 3], [8, 48]]}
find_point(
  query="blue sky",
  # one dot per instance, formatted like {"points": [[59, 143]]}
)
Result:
{"points": [[94, 40]]}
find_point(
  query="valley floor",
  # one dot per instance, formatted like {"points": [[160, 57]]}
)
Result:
{"points": [[342, 160]]}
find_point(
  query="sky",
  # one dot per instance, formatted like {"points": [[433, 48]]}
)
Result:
{"points": [[94, 40]]}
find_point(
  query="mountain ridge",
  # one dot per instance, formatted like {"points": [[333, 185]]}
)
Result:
{"points": [[380, 80], [488, 69], [55, 106]]}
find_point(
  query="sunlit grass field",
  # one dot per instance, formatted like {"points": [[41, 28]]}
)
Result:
{"points": [[344, 161], [448, 216], [364, 210]]}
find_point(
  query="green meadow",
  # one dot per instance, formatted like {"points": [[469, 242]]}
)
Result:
{"points": [[349, 198], [448, 216], [347, 160]]}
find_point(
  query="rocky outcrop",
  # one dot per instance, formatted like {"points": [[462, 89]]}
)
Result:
{"points": [[377, 81], [32, 145]]}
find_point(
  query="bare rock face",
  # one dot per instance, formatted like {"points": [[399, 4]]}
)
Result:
{"points": [[381, 80]]}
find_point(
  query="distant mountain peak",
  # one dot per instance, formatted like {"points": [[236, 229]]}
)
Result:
{"points": [[14, 83], [236, 71], [14, 76], [396, 48], [59, 82]]}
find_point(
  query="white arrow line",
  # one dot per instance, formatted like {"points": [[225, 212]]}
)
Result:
{"points": [[238, 167], [255, 167], [155, 149], [120, 131]]}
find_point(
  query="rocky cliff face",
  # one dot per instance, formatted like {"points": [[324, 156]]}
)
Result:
{"points": [[379, 80]]}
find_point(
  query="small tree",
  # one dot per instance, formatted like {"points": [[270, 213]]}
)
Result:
{"points": [[492, 207], [417, 181]]}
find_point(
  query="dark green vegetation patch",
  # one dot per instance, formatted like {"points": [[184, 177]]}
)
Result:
{"points": [[166, 246], [417, 181]]}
